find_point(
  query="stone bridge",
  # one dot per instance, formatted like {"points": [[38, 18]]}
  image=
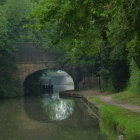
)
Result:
{"points": [[32, 58]]}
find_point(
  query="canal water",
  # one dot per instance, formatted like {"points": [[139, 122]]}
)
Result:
{"points": [[48, 117]]}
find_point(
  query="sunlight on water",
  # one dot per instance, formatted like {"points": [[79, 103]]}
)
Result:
{"points": [[58, 109]]}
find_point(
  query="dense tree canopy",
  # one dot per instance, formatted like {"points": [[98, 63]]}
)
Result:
{"points": [[100, 37], [103, 34], [13, 15]]}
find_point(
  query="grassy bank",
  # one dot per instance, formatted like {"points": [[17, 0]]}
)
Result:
{"points": [[127, 97], [117, 121]]}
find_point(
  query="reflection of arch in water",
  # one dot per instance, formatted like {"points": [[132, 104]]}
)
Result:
{"points": [[47, 110], [61, 82]]}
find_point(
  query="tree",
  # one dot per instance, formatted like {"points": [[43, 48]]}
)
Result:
{"points": [[13, 16], [107, 32]]}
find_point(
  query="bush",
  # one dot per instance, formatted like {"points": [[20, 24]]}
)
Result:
{"points": [[134, 82]]}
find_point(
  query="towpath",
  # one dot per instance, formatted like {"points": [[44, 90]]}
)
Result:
{"points": [[108, 99]]}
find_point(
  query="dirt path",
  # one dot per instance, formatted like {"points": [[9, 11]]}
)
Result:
{"points": [[109, 100]]}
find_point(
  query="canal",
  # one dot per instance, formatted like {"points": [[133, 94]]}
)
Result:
{"points": [[48, 117]]}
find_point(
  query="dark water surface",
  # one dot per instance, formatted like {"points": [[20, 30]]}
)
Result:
{"points": [[47, 118]]}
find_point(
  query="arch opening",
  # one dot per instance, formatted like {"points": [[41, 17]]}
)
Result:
{"points": [[47, 81]]}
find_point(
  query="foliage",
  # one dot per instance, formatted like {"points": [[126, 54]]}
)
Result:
{"points": [[104, 33], [134, 81], [13, 15], [88, 36], [131, 94]]}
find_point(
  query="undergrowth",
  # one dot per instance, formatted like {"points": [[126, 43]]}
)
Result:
{"points": [[132, 93], [134, 81]]}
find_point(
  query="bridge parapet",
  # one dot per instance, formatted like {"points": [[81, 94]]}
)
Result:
{"points": [[32, 58], [31, 53]]}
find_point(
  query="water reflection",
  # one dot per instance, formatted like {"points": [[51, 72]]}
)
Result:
{"points": [[49, 107], [58, 109], [27, 119], [48, 117]]}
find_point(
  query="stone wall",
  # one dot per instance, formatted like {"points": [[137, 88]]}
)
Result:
{"points": [[25, 69]]}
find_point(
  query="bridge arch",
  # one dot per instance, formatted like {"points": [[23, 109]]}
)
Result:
{"points": [[32, 58], [32, 85], [25, 69]]}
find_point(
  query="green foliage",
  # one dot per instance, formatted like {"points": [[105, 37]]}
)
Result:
{"points": [[134, 82], [2, 2], [90, 34], [67, 24], [131, 94], [96, 34], [13, 15]]}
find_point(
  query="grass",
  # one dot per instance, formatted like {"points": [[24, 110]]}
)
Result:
{"points": [[127, 97], [118, 121]]}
